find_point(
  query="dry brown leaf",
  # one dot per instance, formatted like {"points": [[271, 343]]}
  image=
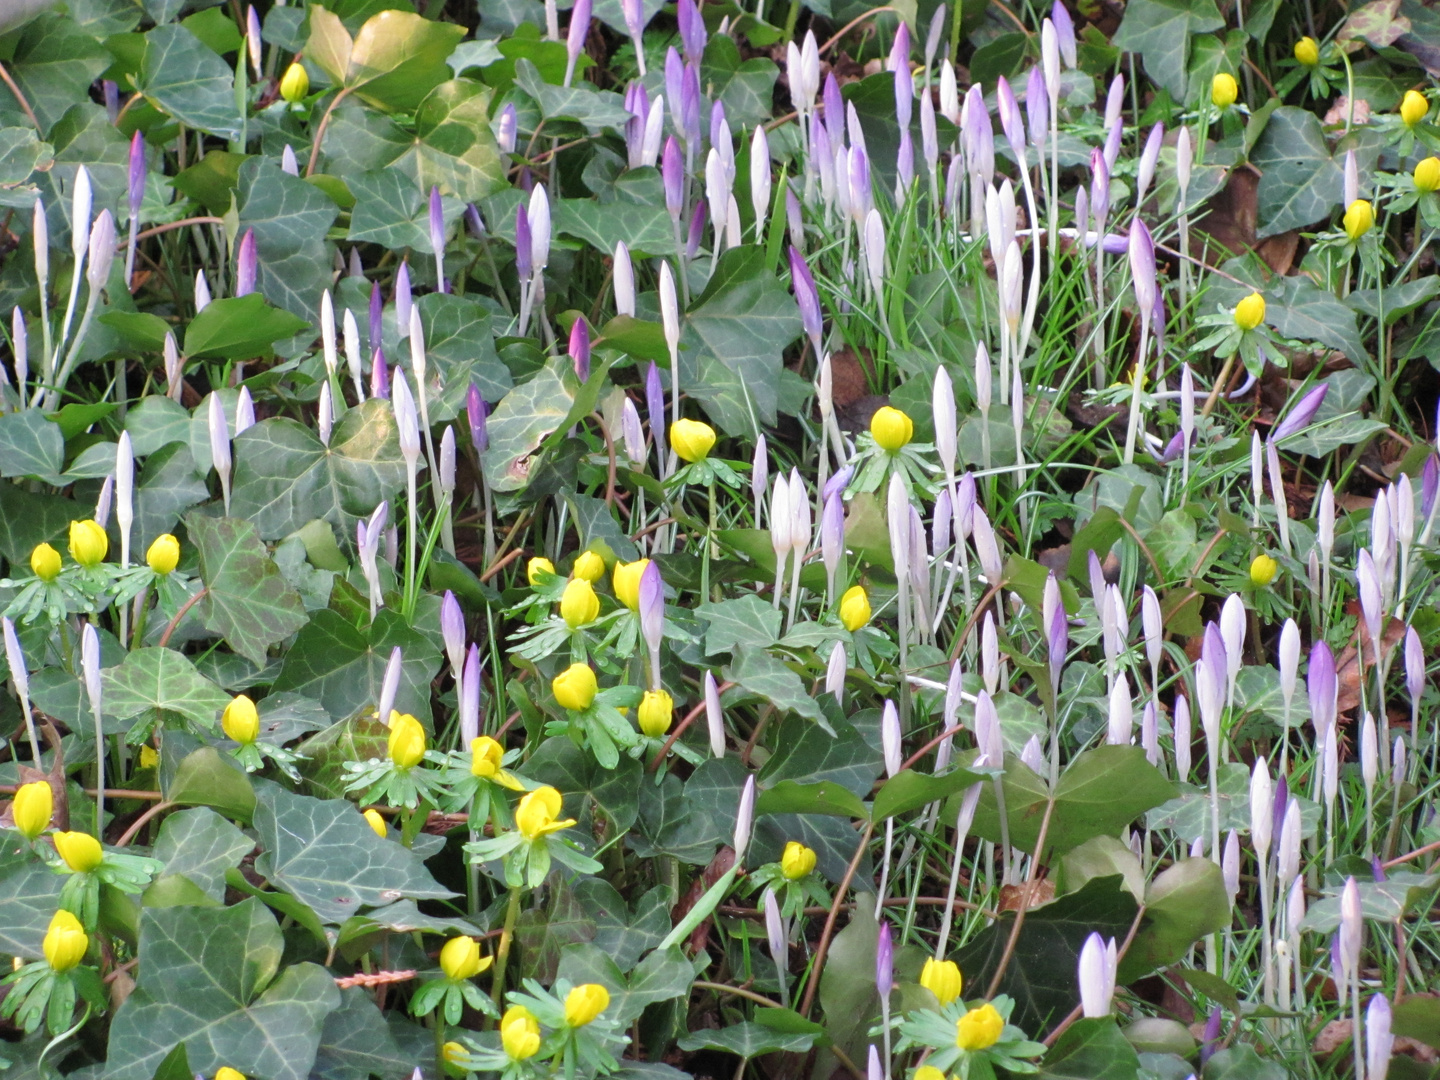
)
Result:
{"points": [[1027, 895]]}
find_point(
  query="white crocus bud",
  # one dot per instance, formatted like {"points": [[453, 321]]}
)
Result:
{"points": [[714, 716], [325, 414], [835, 671], [351, 331], [624, 281], [539, 230], [327, 334], [124, 494], [760, 184], [220, 445], [744, 820]]}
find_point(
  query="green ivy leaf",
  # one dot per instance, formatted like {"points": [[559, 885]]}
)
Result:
{"points": [[748, 1040], [183, 77], [30, 445], [161, 678], [1183, 904], [1159, 30], [206, 778], [201, 845], [356, 1044], [1299, 181], [53, 63], [291, 219], [29, 893], [238, 328], [248, 602], [209, 982], [1091, 1049], [324, 853], [393, 62]]}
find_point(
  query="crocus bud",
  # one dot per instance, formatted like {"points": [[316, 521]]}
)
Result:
{"points": [[744, 820], [1184, 156], [505, 129], [1142, 270], [835, 670], [468, 697], [774, 927], [890, 737], [1301, 415], [651, 610], [884, 958], [806, 296], [390, 685], [1121, 728], [575, 37], [407, 423], [579, 348], [714, 716], [539, 229], [245, 265], [1148, 159], [1097, 975], [655, 407]]}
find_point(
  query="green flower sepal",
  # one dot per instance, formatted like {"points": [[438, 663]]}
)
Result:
{"points": [[912, 462], [451, 996], [590, 1049], [384, 781], [795, 895], [81, 892], [936, 1029], [1227, 338], [707, 471], [484, 1054], [53, 599], [481, 797], [601, 727], [527, 862], [37, 992], [252, 756]]}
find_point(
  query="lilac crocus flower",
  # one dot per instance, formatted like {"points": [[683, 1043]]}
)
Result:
{"points": [[834, 110], [884, 959], [379, 376], [136, 190], [477, 414], [1142, 270], [652, 616], [1097, 975], [696, 232], [575, 36], [377, 307], [523, 243], [655, 408], [672, 175], [714, 715], [692, 30], [402, 294], [452, 632], [1011, 121], [468, 697], [580, 348], [806, 296], [634, 12], [246, 265], [1037, 107], [1064, 32], [690, 104], [1301, 415], [437, 238], [744, 820]]}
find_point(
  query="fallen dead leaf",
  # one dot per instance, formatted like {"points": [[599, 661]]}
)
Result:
{"points": [[1027, 895]]}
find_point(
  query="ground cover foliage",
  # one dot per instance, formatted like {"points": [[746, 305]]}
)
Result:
{"points": [[644, 539]]}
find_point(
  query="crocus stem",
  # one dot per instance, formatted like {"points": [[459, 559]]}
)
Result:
{"points": [[411, 526], [439, 1042], [880, 898], [502, 951], [1133, 427]]}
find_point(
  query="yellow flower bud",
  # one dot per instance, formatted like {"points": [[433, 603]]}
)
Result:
{"points": [[854, 608], [1427, 175], [164, 554], [536, 566], [626, 580], [519, 1033], [797, 860], [460, 959], [407, 740], [656, 709], [31, 810], [537, 813], [942, 978], [1413, 107], [45, 562], [65, 941], [453, 1053], [1307, 51], [979, 1028], [1263, 570], [575, 687], [240, 720], [578, 603], [692, 439], [486, 756], [88, 543], [225, 1072], [149, 757], [295, 83], [891, 429], [1359, 218], [1250, 312], [376, 822], [1224, 90], [585, 1003], [928, 1072], [590, 566], [81, 851]]}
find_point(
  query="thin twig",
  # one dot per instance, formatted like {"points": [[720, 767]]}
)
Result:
{"points": [[156, 230], [24, 105], [184, 610], [140, 822], [320, 131], [825, 935], [680, 729], [1025, 904]]}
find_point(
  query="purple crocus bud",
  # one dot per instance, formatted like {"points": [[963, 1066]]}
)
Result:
{"points": [[1301, 415], [1370, 597], [885, 955], [652, 616], [377, 307], [1379, 1042], [655, 408], [575, 37], [672, 174], [979, 136], [111, 93], [904, 81], [834, 110], [505, 127], [1142, 270], [474, 223], [697, 230], [477, 413], [1064, 32], [1429, 485], [719, 128], [523, 243], [690, 103], [1011, 121], [832, 537], [580, 348], [674, 83], [137, 174], [1321, 686], [1099, 189], [1210, 1041], [402, 294], [1414, 665], [1037, 107], [839, 482], [379, 376], [1352, 177], [1148, 159], [1057, 632], [452, 631], [744, 820], [634, 12], [806, 296], [692, 31], [245, 265], [861, 199], [437, 217], [468, 697]]}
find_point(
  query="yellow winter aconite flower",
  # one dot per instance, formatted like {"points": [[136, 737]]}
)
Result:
{"points": [[692, 439], [65, 941], [656, 709], [589, 566], [88, 543], [453, 1052], [81, 851], [797, 860], [537, 813], [1224, 90], [240, 721], [1307, 51], [407, 740], [854, 608], [164, 554], [578, 603], [536, 566], [1413, 107], [575, 687], [149, 757], [927, 1072], [295, 83], [1427, 174], [626, 580], [33, 805], [891, 429], [1359, 218], [460, 959], [1263, 570], [979, 1028], [1250, 312], [942, 978], [585, 1003], [376, 822], [519, 1033], [487, 758], [45, 562], [225, 1072]]}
